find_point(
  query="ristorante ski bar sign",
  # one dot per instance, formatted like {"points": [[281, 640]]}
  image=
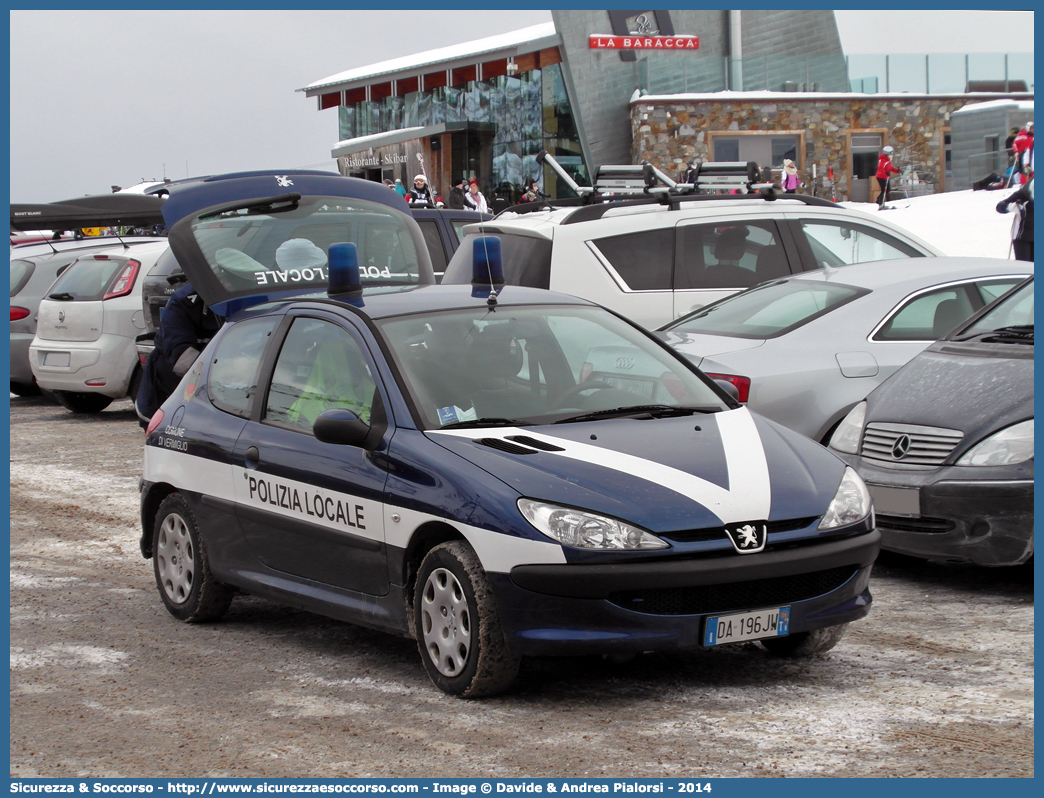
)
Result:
{"points": [[635, 41]]}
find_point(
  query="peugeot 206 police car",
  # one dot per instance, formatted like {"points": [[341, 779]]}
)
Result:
{"points": [[444, 462]]}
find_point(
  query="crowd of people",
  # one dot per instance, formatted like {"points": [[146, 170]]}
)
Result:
{"points": [[465, 195]]}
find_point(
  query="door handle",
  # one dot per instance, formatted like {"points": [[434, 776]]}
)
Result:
{"points": [[252, 457]]}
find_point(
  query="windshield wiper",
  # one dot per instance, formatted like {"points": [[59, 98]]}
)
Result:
{"points": [[1017, 333], [65, 296], [640, 411], [485, 422]]}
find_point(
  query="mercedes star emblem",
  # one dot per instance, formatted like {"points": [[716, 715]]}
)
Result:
{"points": [[901, 447]]}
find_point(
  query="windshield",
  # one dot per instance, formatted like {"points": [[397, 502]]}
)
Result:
{"points": [[1011, 314], [87, 279], [539, 365], [769, 310], [285, 246]]}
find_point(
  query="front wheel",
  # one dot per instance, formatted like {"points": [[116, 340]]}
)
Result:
{"points": [[459, 635], [182, 570], [805, 644], [79, 402]]}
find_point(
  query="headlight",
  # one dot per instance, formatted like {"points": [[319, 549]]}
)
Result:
{"points": [[1007, 447], [583, 530], [846, 436], [851, 502]]}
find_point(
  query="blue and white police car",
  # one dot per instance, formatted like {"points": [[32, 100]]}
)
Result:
{"points": [[452, 463]]}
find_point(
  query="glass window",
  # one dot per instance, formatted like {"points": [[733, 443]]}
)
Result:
{"points": [[769, 310], [21, 271], [433, 241], [730, 256], [232, 381], [989, 291], [535, 365], [1016, 310], [838, 244], [643, 260], [88, 278], [527, 261], [726, 149], [286, 247], [784, 147], [927, 317], [320, 367]]}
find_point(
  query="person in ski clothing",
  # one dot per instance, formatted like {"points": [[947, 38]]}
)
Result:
{"points": [[456, 196], [400, 189], [885, 169], [186, 327], [474, 199], [791, 181], [1022, 234], [1022, 145], [421, 193]]}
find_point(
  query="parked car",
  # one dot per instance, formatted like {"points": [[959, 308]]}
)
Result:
{"points": [[443, 230], [430, 461], [946, 444], [32, 273], [803, 350], [83, 350], [654, 260]]}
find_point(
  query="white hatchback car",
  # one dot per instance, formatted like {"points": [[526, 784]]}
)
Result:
{"points": [[84, 350], [654, 262]]}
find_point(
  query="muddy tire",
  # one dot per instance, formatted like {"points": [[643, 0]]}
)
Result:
{"points": [[188, 589], [459, 635], [805, 644]]}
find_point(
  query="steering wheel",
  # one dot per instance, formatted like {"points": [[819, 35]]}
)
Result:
{"points": [[580, 388]]}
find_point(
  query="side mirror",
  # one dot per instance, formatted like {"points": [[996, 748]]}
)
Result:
{"points": [[725, 385], [341, 427]]}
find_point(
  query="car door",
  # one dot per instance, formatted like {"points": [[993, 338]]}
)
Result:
{"points": [[716, 259], [309, 509]]}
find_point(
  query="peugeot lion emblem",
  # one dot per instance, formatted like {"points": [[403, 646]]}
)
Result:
{"points": [[283, 181], [747, 538], [901, 447]]}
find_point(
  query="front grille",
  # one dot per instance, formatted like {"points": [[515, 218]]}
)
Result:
{"points": [[934, 526], [703, 599], [908, 444], [718, 532]]}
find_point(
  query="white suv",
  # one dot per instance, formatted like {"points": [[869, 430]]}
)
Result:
{"points": [[654, 262], [84, 348]]}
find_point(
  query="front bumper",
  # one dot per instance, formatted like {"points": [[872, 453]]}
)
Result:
{"points": [[633, 607], [69, 365], [963, 516]]}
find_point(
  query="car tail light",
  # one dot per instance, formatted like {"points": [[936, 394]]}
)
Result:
{"points": [[18, 313], [155, 421], [124, 281], [742, 383], [97, 382]]}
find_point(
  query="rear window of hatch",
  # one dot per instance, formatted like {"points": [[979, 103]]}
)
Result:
{"points": [[527, 261], [87, 279]]}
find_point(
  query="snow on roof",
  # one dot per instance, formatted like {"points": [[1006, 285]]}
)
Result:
{"points": [[775, 96], [501, 41], [1017, 105]]}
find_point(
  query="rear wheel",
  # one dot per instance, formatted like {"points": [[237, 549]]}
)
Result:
{"points": [[82, 402], [180, 564], [459, 634], [805, 644]]}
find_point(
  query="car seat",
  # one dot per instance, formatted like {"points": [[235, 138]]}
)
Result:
{"points": [[948, 314], [729, 249], [772, 263]]}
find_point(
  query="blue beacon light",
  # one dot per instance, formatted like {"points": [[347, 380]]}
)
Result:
{"points": [[343, 269], [487, 268]]}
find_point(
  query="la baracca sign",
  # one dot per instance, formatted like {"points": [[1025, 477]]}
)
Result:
{"points": [[598, 41]]}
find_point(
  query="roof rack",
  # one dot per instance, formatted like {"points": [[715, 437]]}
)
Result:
{"points": [[643, 184]]}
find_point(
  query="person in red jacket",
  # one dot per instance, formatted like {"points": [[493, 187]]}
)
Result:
{"points": [[885, 169], [1022, 144]]}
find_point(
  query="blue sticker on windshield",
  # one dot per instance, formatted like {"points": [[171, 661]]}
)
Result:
{"points": [[447, 415]]}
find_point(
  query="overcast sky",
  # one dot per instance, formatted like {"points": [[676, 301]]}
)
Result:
{"points": [[116, 97]]}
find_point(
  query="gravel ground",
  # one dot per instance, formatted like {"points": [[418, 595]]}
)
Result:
{"points": [[937, 681]]}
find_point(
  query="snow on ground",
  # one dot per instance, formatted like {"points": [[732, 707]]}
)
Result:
{"points": [[958, 223]]}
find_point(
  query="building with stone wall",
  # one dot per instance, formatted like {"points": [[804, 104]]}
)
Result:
{"points": [[823, 133]]}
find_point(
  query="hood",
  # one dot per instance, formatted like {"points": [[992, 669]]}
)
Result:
{"points": [[973, 387], [663, 475], [697, 346]]}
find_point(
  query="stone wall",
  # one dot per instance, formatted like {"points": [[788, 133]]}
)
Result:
{"points": [[669, 132]]}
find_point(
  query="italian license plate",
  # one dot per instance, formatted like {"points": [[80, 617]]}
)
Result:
{"points": [[896, 501], [747, 626]]}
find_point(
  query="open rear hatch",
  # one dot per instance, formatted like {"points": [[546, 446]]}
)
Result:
{"points": [[252, 237]]}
